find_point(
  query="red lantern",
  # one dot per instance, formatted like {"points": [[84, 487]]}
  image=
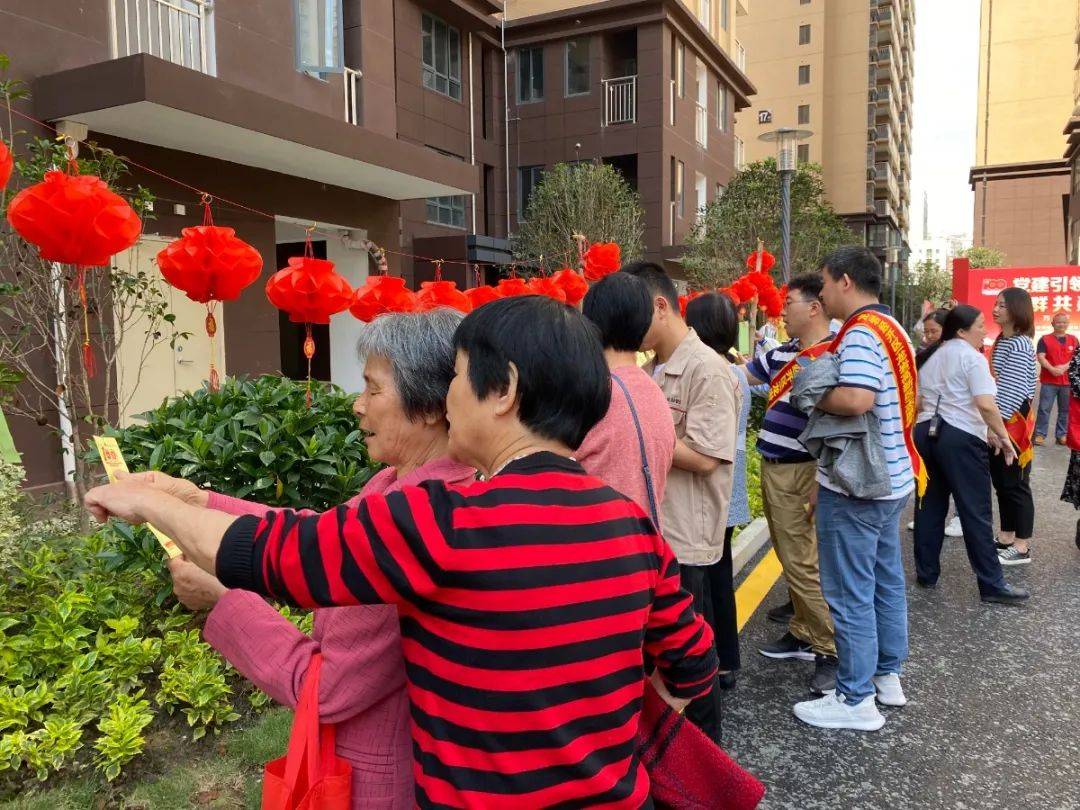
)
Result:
{"points": [[730, 293], [763, 282], [210, 263], [686, 299], [509, 287], [546, 285], [7, 164], [478, 296], [309, 290], [771, 303], [439, 293], [573, 285], [602, 259], [73, 219], [768, 261], [745, 290], [381, 295]]}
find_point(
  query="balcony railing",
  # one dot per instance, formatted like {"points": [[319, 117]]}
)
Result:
{"points": [[352, 96], [701, 124], [882, 208], [175, 30], [620, 100]]}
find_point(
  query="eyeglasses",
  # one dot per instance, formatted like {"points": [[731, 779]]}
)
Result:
{"points": [[790, 302]]}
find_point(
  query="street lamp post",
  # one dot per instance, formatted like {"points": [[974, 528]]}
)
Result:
{"points": [[786, 139]]}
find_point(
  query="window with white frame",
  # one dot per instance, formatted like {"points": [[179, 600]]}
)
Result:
{"points": [[740, 153], [678, 187], [577, 66], [705, 14], [441, 56], [449, 211], [725, 13], [701, 186], [320, 45], [530, 75]]}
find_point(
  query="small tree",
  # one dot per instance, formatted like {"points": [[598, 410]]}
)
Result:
{"points": [[750, 210], [41, 317], [983, 257], [931, 282], [591, 199]]}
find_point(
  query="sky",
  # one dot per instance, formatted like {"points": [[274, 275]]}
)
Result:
{"points": [[943, 131]]}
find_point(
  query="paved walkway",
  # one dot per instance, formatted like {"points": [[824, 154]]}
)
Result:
{"points": [[994, 713]]}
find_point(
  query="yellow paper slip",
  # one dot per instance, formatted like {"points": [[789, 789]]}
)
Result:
{"points": [[113, 461]]}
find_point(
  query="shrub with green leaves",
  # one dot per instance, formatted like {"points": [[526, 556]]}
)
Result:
{"points": [[256, 439]]}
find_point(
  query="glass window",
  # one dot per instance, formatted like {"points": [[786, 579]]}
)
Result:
{"points": [[804, 113], [680, 69], [804, 34], [804, 74], [804, 153], [577, 66], [720, 190], [678, 191], [705, 14], [440, 49], [448, 211], [528, 180], [723, 100], [530, 75], [725, 12], [320, 47]]}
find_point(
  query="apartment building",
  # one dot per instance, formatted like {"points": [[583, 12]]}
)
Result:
{"points": [[649, 86], [378, 120], [1026, 90], [1072, 155], [844, 70]]}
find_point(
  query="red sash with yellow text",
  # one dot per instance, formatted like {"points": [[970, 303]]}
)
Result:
{"points": [[782, 382], [902, 361]]}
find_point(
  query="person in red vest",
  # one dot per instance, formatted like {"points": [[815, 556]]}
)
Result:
{"points": [[1054, 352]]}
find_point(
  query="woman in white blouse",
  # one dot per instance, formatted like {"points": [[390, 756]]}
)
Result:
{"points": [[958, 424]]}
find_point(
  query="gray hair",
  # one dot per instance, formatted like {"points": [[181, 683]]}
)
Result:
{"points": [[420, 349]]}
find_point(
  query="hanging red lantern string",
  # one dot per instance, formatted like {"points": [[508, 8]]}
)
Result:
{"points": [[510, 287], [440, 293], [602, 259], [573, 285], [7, 164], [478, 296], [310, 292], [74, 219], [546, 285], [760, 260], [381, 295], [210, 263]]}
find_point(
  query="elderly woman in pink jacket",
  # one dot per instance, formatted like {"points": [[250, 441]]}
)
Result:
{"points": [[408, 368]]}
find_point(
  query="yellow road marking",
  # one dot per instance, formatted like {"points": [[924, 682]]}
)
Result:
{"points": [[756, 586]]}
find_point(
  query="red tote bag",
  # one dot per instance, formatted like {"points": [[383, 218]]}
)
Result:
{"points": [[310, 776]]}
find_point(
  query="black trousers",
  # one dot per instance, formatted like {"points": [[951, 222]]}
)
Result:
{"points": [[958, 465], [712, 587], [1016, 507], [713, 590]]}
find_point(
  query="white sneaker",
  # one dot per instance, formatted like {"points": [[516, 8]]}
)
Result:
{"points": [[911, 526], [954, 529], [832, 711], [889, 690]]}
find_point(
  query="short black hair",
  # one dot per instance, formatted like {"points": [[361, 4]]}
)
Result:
{"points": [[714, 317], [857, 263], [564, 386], [809, 284], [938, 316], [621, 307], [656, 279]]}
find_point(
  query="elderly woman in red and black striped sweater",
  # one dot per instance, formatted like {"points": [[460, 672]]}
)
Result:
{"points": [[528, 601]]}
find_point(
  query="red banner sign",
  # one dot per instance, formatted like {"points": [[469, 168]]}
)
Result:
{"points": [[1052, 289]]}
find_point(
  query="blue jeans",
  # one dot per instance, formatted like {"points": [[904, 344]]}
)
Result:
{"points": [[1048, 395], [862, 579]]}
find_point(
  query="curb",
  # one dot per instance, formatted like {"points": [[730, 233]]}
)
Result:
{"points": [[749, 542]]}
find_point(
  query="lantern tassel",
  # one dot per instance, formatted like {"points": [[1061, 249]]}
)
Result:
{"points": [[309, 352], [211, 331], [89, 366]]}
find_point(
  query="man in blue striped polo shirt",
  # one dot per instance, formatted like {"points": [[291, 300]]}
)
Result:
{"points": [[788, 481], [862, 575]]}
